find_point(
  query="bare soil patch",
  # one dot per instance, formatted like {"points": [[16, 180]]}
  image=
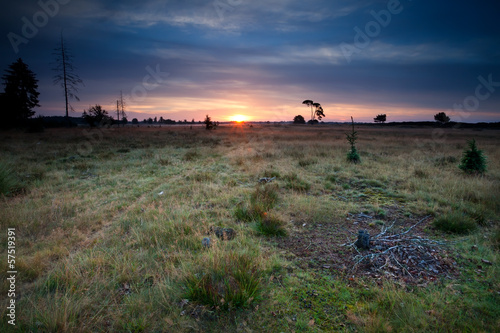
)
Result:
{"points": [[405, 252]]}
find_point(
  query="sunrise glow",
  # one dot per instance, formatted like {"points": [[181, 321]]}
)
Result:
{"points": [[239, 118]]}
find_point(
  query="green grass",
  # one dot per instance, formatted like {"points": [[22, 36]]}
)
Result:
{"points": [[271, 226], [109, 238], [228, 282], [8, 180], [455, 223]]}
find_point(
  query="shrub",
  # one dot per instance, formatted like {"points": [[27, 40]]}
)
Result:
{"points": [[247, 214], [226, 282], [455, 223], [271, 226], [473, 160]]}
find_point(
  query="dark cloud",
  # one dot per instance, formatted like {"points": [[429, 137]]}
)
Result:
{"points": [[428, 57]]}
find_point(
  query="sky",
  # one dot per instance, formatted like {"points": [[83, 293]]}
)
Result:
{"points": [[261, 59]]}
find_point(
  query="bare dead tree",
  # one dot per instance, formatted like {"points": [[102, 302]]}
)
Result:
{"points": [[65, 74]]}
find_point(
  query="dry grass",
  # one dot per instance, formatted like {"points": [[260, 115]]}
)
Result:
{"points": [[109, 228]]}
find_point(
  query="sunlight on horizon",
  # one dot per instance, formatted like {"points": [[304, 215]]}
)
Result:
{"points": [[239, 118]]}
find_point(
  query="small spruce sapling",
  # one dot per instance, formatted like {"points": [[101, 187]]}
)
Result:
{"points": [[473, 159], [352, 155]]}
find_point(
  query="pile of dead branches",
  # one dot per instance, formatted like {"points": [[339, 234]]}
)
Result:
{"points": [[404, 255]]}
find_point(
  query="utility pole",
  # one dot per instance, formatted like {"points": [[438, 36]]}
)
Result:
{"points": [[117, 113]]}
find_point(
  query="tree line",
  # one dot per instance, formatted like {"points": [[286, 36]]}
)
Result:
{"points": [[20, 97]]}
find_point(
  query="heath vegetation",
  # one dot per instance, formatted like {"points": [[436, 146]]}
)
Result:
{"points": [[109, 229]]}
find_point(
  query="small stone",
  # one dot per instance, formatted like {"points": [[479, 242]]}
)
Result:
{"points": [[487, 262]]}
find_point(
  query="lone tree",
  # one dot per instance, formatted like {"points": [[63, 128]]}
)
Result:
{"points": [[20, 95], [96, 116], [299, 120], [65, 74], [316, 110], [209, 124], [381, 118], [442, 118]]}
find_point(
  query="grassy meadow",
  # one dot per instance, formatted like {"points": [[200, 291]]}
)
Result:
{"points": [[109, 228]]}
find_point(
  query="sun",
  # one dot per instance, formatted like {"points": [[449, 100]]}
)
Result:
{"points": [[239, 118]]}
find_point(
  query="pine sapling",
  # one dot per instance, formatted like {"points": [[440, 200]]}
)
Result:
{"points": [[352, 155], [473, 159]]}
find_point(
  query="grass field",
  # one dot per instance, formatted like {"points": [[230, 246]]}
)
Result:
{"points": [[109, 226]]}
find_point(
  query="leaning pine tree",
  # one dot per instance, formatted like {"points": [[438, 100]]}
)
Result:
{"points": [[473, 160]]}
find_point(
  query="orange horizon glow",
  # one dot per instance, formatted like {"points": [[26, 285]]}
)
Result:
{"points": [[239, 118]]}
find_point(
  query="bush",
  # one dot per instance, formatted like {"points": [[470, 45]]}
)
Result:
{"points": [[247, 214], [455, 223], [271, 226], [473, 160], [228, 282]]}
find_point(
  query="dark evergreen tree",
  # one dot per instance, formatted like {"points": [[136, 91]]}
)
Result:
{"points": [[473, 160], [20, 95]]}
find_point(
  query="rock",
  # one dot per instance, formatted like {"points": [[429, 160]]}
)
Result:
{"points": [[363, 241], [205, 242], [223, 233]]}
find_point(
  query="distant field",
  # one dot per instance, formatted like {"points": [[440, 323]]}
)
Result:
{"points": [[109, 226]]}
